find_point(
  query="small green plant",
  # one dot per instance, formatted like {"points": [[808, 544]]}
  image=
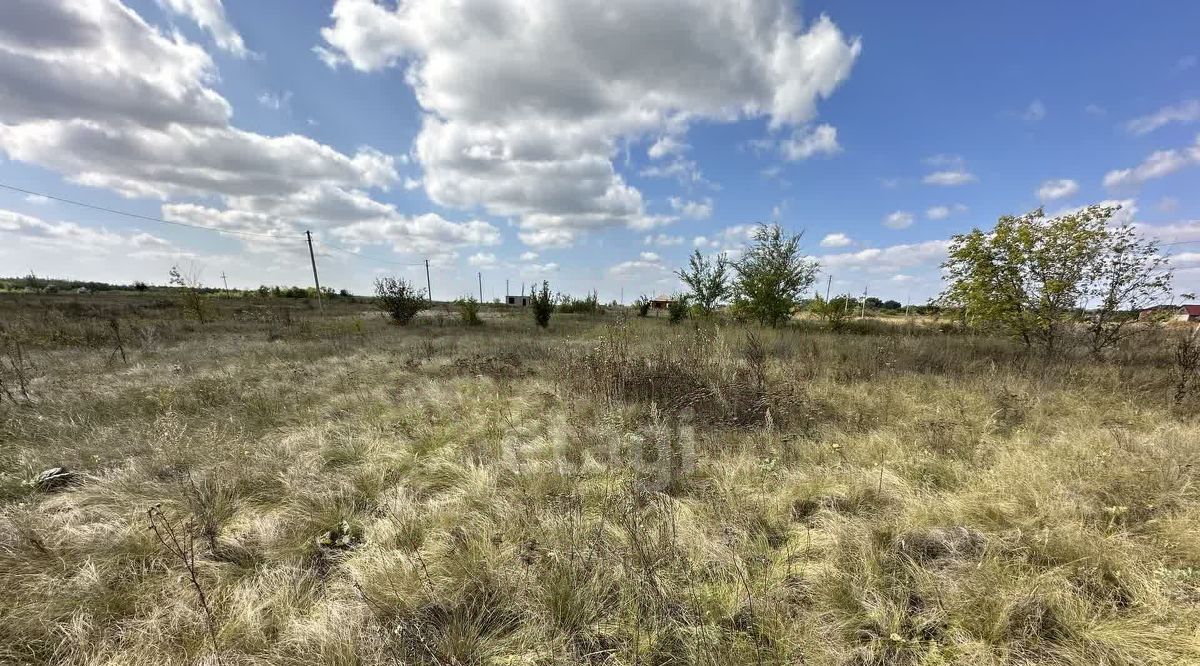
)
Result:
{"points": [[542, 304], [399, 299], [835, 311], [677, 309], [643, 306], [468, 310]]}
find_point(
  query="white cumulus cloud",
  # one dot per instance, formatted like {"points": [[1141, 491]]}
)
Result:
{"points": [[898, 220], [836, 240], [532, 137], [1057, 189]]}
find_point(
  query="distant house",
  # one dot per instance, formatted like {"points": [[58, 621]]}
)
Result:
{"points": [[523, 301], [1188, 313], [1158, 312], [661, 302]]}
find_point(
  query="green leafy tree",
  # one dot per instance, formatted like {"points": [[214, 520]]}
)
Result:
{"points": [[708, 281], [677, 309], [399, 299], [643, 306], [542, 303], [1030, 274], [771, 275], [891, 305]]}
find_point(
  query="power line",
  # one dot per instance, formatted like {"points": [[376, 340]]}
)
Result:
{"points": [[144, 217], [369, 257]]}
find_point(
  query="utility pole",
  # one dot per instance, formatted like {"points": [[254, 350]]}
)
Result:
{"points": [[863, 314], [506, 294], [828, 284], [428, 284], [316, 280], [224, 280], [480, 274]]}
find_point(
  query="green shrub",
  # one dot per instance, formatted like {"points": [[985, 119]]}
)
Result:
{"points": [[399, 299], [468, 310], [643, 306], [542, 304], [677, 309]]}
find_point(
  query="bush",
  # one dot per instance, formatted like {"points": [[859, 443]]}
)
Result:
{"points": [[542, 304], [399, 299], [677, 309], [589, 304], [468, 310], [643, 306]]}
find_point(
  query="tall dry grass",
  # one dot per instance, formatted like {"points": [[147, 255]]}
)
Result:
{"points": [[612, 492]]}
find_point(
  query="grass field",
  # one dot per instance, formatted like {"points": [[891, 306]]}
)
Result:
{"points": [[609, 491]]}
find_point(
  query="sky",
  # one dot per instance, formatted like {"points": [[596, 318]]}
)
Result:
{"points": [[590, 143]]}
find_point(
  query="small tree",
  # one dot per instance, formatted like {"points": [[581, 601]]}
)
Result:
{"points": [[771, 276], [543, 304], [399, 299], [708, 280], [677, 309], [191, 292], [835, 311], [468, 310], [643, 306]]}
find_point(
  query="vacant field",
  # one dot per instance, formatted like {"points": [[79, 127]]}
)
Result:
{"points": [[606, 492]]}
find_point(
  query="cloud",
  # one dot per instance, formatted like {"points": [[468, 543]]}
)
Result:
{"points": [[35, 231], [522, 135], [1158, 164], [1186, 62], [943, 212], [529, 256], [949, 178], [1185, 112], [666, 145], [1167, 205], [807, 142], [693, 210], [276, 101], [892, 259], [647, 267], [730, 239], [898, 220], [836, 240], [429, 234], [63, 60], [210, 16], [663, 240], [109, 101], [1057, 189], [482, 260], [36, 199], [1034, 112]]}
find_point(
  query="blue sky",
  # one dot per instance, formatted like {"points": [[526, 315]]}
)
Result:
{"points": [[592, 144]]}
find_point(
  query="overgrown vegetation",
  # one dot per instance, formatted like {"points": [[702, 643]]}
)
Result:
{"points": [[468, 311], [323, 487], [541, 303], [399, 299], [771, 276]]}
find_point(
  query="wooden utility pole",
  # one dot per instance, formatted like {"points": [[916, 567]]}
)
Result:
{"points": [[828, 284], [480, 274], [224, 280], [506, 291], [428, 284], [863, 314], [313, 258]]}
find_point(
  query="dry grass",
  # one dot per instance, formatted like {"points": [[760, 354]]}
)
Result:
{"points": [[599, 493]]}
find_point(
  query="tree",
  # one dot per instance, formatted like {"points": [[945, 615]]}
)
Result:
{"points": [[708, 280], [399, 299], [468, 311], [891, 305], [543, 304], [771, 275], [677, 309], [1030, 273], [1129, 274], [191, 291], [834, 311]]}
